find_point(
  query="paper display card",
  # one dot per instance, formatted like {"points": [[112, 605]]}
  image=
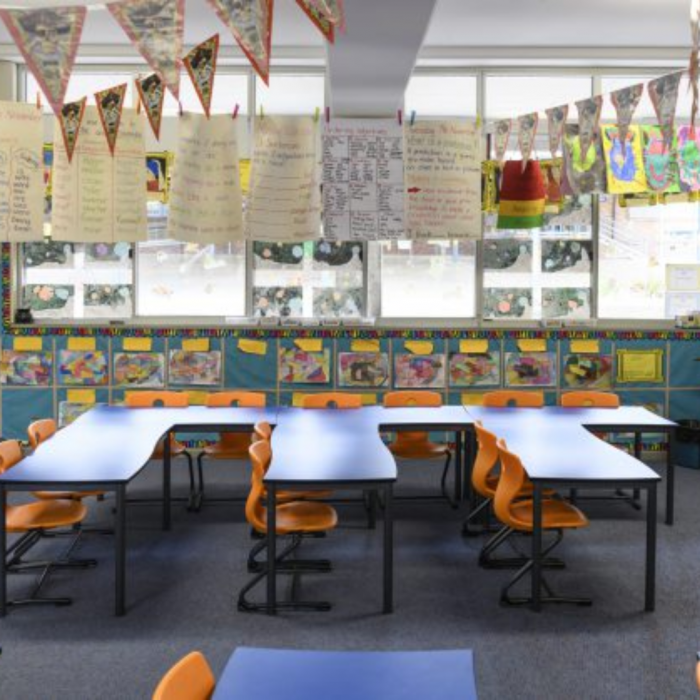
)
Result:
{"points": [[21, 173], [195, 368], [363, 179], [284, 202], [683, 278], [97, 197], [443, 180], [205, 193]]}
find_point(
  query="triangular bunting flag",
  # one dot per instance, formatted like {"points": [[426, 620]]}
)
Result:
{"points": [[693, 67], [500, 138], [155, 28], [588, 118], [321, 20], [333, 11], [664, 96], [110, 103], [625, 102], [152, 94], [250, 22], [556, 119], [70, 118], [201, 66], [48, 40], [527, 130]]}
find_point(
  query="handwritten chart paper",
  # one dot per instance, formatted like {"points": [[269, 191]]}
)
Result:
{"points": [[284, 201], [21, 172], [363, 179], [443, 180], [205, 194], [99, 197]]}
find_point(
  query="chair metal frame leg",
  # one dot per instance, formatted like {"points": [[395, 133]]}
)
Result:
{"points": [[256, 566]]}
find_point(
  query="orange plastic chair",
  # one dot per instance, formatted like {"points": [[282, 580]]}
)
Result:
{"points": [[332, 399], [517, 513], [697, 672], [521, 399], [417, 445], [295, 520], [590, 399], [191, 678]]}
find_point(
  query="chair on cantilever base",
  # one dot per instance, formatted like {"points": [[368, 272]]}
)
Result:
{"points": [[190, 678]]}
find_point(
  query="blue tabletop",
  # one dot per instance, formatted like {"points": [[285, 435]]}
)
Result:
{"points": [[276, 674]]}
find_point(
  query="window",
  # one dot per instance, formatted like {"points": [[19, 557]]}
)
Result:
{"points": [[441, 96], [291, 94]]}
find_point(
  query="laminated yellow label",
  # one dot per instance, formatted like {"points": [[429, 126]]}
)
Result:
{"points": [[309, 344], [364, 345], [81, 343], [472, 399], [196, 344], [197, 398], [252, 347], [137, 344], [27, 344], [585, 346], [533, 345], [478, 346], [298, 400], [369, 399], [419, 347], [81, 395]]}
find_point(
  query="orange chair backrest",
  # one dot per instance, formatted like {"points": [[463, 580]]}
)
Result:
{"points": [[149, 399], [486, 460], [41, 430], [521, 399], [244, 399], [190, 678], [260, 457], [10, 454], [590, 399], [510, 483], [395, 399], [332, 399], [263, 430]]}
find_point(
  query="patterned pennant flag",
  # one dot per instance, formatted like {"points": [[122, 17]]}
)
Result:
{"points": [[693, 67], [333, 10], [556, 119], [155, 28], [527, 130], [250, 22], [500, 138], [48, 40], [110, 103], [201, 66], [152, 94], [625, 102], [588, 118], [319, 18], [70, 117], [664, 96]]}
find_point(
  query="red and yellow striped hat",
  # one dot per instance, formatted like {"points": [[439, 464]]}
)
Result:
{"points": [[522, 197]]}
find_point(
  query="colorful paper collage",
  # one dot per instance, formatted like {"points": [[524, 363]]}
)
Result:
{"points": [[69, 411], [19, 368], [624, 162], [336, 303], [531, 369], [566, 256], [508, 302], [48, 254], [157, 176], [49, 300], [664, 97], [660, 164], [114, 298], [584, 371], [201, 67], [507, 254], [269, 256], [625, 102], [552, 172], [566, 302], [419, 371], [195, 368], [689, 158], [582, 175], [336, 254], [110, 103], [475, 369], [142, 369], [82, 368], [151, 91], [301, 367], [279, 302], [363, 369]]}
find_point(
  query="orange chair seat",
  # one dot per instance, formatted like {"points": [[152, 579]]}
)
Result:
{"points": [[41, 515], [418, 450], [176, 448], [305, 516], [285, 496], [555, 514], [66, 495]]}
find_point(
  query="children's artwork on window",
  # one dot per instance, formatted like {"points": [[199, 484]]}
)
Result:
{"points": [[660, 162], [508, 255], [566, 302], [47, 254], [625, 167], [272, 255], [68, 411], [566, 256], [367, 369], [507, 302], [25, 368], [301, 367], [334, 303], [531, 369], [143, 369], [689, 158], [49, 300], [82, 367], [192, 367], [277, 301], [583, 173], [475, 369], [157, 176], [584, 371], [107, 252], [107, 300], [419, 371], [337, 254]]}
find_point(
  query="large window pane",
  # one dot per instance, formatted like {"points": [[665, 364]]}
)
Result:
{"points": [[291, 94], [441, 96]]}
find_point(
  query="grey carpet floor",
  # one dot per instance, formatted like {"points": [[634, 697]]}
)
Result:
{"points": [[182, 588]]}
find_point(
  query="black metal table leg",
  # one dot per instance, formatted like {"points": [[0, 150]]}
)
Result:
{"points": [[120, 552], [459, 467], [166, 483], [271, 549], [638, 455], [670, 478], [3, 549], [536, 546], [650, 586], [388, 549]]}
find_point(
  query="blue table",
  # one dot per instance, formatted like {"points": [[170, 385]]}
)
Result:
{"points": [[277, 674]]}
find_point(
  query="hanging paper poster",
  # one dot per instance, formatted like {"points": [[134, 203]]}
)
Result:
{"points": [[110, 103], [21, 172], [527, 130], [660, 163], [205, 192], [250, 22], [192, 367], [640, 366], [363, 179], [508, 302], [70, 411], [284, 199], [48, 40], [152, 95], [336, 303], [531, 369], [25, 368], [566, 302], [419, 371], [107, 300], [155, 28], [589, 371], [625, 102], [664, 96], [277, 302], [500, 138], [443, 180], [625, 165], [689, 158], [582, 174], [79, 367], [70, 119], [300, 367], [588, 118], [201, 67], [566, 256], [321, 21], [100, 198], [475, 369], [556, 120], [367, 369]]}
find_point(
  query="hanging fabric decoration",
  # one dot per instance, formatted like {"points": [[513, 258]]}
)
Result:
{"points": [[693, 67], [500, 138], [250, 22], [201, 66], [689, 158], [556, 119], [70, 118], [319, 18], [527, 130], [48, 40], [155, 28], [152, 95], [522, 197], [664, 96], [110, 103], [625, 102], [588, 118]]}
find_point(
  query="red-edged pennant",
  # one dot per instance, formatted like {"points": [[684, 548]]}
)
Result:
{"points": [[250, 22], [152, 95], [501, 136], [155, 28], [322, 22], [556, 119], [70, 118], [333, 10], [588, 118], [625, 102], [527, 130], [201, 67], [48, 40], [664, 96], [110, 103]]}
